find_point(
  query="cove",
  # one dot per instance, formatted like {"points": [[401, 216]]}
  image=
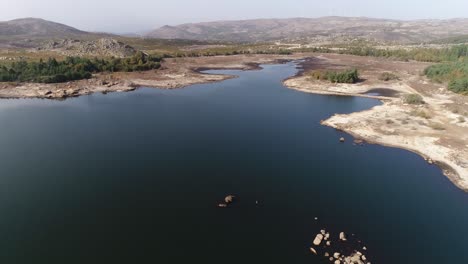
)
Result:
{"points": [[136, 177]]}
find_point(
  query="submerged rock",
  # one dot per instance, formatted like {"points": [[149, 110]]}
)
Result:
{"points": [[222, 205], [358, 142]]}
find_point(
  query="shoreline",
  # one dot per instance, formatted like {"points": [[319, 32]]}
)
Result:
{"points": [[434, 146], [175, 74], [447, 167], [394, 124]]}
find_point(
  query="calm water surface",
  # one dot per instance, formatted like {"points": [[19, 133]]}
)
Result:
{"points": [[135, 178]]}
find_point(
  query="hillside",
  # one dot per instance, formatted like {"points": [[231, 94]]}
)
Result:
{"points": [[36, 27], [32, 32], [104, 47], [325, 28]]}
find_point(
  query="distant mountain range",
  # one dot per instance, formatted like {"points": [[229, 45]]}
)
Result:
{"points": [[27, 31], [325, 28]]}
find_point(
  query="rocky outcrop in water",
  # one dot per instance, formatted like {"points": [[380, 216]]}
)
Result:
{"points": [[344, 250], [227, 201]]}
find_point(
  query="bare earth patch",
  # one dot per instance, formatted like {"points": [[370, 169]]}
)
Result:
{"points": [[437, 130]]}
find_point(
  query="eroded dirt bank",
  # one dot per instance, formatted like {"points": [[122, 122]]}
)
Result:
{"points": [[437, 130]]}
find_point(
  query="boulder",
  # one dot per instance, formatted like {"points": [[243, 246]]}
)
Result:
{"points": [[356, 258], [318, 239], [313, 250], [229, 199], [336, 255], [342, 139], [222, 205], [342, 236]]}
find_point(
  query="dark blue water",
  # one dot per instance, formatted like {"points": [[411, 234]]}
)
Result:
{"points": [[135, 178]]}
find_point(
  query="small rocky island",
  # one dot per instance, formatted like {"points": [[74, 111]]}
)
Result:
{"points": [[344, 250]]}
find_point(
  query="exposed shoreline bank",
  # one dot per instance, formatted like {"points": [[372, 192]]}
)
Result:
{"points": [[448, 167], [430, 130]]}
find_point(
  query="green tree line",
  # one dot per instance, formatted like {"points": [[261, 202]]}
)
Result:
{"points": [[346, 76], [74, 68], [452, 67]]}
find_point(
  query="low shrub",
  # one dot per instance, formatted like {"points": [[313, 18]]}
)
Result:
{"points": [[436, 126], [414, 99], [459, 85], [420, 113], [347, 76], [388, 76]]}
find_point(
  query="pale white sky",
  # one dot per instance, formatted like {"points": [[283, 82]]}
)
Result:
{"points": [[122, 16]]}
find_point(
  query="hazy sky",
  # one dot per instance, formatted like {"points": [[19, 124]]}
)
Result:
{"points": [[142, 15]]}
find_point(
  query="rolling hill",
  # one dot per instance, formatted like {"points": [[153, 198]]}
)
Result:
{"points": [[36, 27], [320, 28], [32, 32]]}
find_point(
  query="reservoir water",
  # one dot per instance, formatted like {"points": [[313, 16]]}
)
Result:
{"points": [[136, 177]]}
